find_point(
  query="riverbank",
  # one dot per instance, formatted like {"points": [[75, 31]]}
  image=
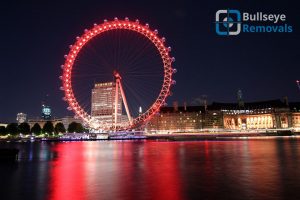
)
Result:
{"points": [[221, 136], [171, 137]]}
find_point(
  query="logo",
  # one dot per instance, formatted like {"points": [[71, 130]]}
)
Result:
{"points": [[233, 22], [228, 22]]}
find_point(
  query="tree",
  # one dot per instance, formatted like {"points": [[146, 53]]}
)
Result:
{"points": [[24, 128], [2, 130], [48, 127], [75, 127], [59, 128], [79, 128], [36, 129], [12, 128]]}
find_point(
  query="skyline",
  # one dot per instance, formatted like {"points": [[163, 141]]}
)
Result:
{"points": [[263, 66]]}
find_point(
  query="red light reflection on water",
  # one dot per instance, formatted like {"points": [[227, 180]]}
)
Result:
{"points": [[67, 173], [115, 170], [174, 170], [163, 171]]}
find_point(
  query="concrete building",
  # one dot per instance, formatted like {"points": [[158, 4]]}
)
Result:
{"points": [[274, 114], [254, 115], [3, 124], [177, 119], [46, 112], [103, 102]]}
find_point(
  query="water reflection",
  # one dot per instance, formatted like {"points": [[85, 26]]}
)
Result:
{"points": [[247, 169], [115, 170]]}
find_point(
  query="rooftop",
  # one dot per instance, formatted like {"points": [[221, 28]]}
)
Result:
{"points": [[277, 103]]}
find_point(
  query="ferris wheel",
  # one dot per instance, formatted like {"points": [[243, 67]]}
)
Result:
{"points": [[137, 61]]}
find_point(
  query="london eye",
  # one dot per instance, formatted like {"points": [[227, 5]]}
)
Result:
{"points": [[117, 75]]}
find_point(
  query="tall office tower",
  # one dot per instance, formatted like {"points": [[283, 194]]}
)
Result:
{"points": [[46, 112], [103, 103]]}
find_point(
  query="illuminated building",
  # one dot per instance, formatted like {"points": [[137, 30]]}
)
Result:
{"points": [[103, 102], [274, 114], [21, 117], [3, 124], [213, 119], [295, 113], [177, 119], [46, 112], [255, 115]]}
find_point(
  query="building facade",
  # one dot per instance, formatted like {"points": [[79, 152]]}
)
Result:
{"points": [[46, 112], [3, 124], [274, 114], [103, 103], [177, 119], [65, 121]]}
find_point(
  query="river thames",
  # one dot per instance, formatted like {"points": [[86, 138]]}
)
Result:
{"points": [[231, 169]]}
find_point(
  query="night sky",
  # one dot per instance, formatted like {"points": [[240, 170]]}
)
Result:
{"points": [[36, 36]]}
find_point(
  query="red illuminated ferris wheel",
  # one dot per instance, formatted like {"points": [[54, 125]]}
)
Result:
{"points": [[165, 71]]}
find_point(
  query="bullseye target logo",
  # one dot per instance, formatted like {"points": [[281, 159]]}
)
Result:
{"points": [[233, 22], [228, 22]]}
